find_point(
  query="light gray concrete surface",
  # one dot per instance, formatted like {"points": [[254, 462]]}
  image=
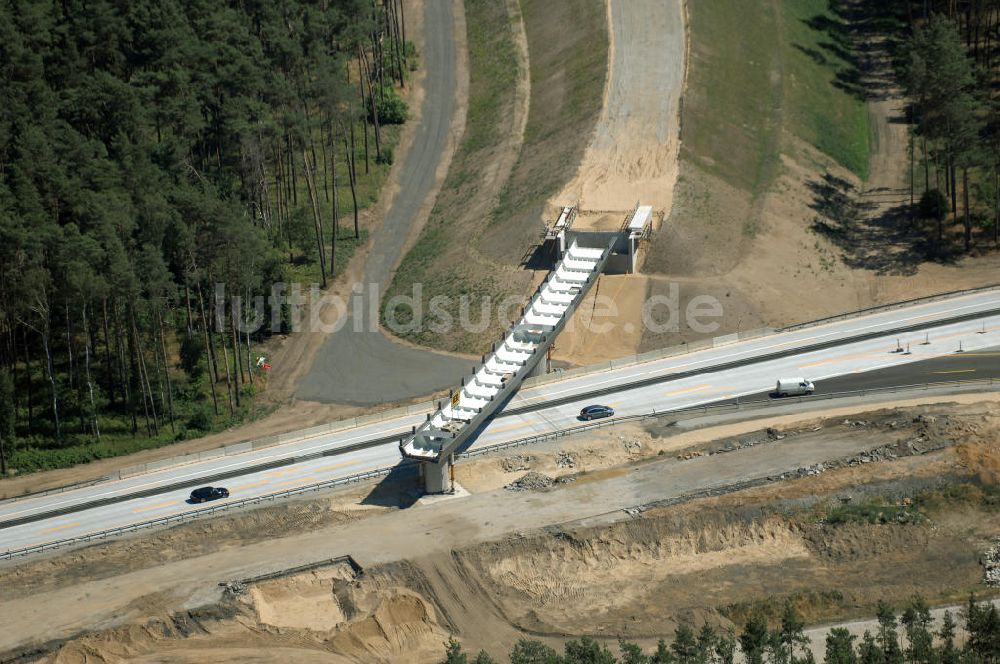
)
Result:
{"points": [[365, 368]]}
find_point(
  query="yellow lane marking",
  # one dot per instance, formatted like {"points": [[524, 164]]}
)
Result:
{"points": [[62, 527], [794, 341], [279, 473], [688, 389], [340, 465], [302, 480], [247, 486], [955, 371], [841, 358], [506, 427], [169, 503]]}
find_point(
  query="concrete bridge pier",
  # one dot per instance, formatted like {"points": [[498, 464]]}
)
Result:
{"points": [[438, 477]]}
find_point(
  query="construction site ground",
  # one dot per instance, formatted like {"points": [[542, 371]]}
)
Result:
{"points": [[639, 527]]}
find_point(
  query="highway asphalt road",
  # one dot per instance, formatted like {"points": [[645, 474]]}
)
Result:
{"points": [[841, 367], [365, 367]]}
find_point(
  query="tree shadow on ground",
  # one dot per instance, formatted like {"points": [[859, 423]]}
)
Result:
{"points": [[859, 45], [873, 229]]}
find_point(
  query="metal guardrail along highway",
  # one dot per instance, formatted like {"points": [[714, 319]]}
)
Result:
{"points": [[198, 481], [420, 409], [196, 514], [578, 396], [737, 405], [693, 411]]}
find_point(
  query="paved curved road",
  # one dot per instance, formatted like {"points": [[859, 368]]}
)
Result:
{"points": [[365, 367]]}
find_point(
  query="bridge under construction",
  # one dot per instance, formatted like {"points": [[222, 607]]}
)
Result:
{"points": [[580, 258]]}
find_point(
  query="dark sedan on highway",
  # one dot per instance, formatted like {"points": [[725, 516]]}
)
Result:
{"points": [[206, 493], [596, 412]]}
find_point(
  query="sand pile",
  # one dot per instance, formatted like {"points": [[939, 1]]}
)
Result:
{"points": [[306, 601]]}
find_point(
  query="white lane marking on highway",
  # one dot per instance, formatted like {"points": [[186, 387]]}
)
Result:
{"points": [[824, 377], [954, 371]]}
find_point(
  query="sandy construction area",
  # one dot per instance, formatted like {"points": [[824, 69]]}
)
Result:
{"points": [[446, 571], [500, 564], [632, 158]]}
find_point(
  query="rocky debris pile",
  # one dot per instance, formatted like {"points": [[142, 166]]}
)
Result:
{"points": [[684, 456], [530, 482], [810, 471], [513, 464], [903, 448], [630, 444], [761, 437], [855, 424], [565, 460], [877, 454], [991, 563], [235, 587]]}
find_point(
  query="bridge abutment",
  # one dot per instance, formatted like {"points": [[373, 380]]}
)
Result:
{"points": [[437, 477]]}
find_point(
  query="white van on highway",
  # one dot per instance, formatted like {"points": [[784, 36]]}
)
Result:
{"points": [[794, 387]]}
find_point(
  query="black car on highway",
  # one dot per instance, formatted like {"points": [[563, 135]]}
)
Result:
{"points": [[206, 493], [595, 412]]}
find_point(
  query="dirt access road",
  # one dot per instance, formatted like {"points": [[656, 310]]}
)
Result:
{"points": [[632, 157], [633, 153], [364, 367]]}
